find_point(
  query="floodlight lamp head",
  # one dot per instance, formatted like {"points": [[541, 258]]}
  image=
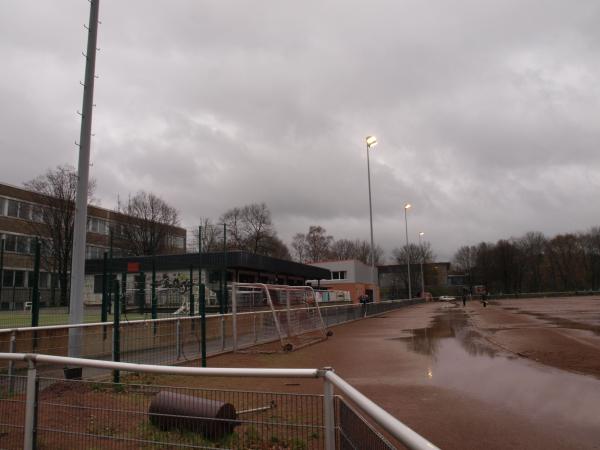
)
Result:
{"points": [[407, 206], [371, 141], [421, 234]]}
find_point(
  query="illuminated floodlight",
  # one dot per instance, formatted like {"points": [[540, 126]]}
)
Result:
{"points": [[371, 141]]}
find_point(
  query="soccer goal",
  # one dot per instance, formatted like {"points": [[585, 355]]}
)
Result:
{"points": [[263, 314]]}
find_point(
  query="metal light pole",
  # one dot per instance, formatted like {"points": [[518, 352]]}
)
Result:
{"points": [[422, 258], [80, 223], [406, 207], [371, 142]]}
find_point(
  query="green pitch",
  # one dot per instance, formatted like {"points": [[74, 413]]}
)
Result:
{"points": [[18, 319]]}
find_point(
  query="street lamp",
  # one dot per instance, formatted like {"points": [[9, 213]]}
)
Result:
{"points": [[406, 208], [371, 142], [422, 258]]}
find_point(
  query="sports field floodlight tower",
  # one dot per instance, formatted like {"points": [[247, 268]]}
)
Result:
{"points": [[371, 142], [407, 206], [421, 234]]}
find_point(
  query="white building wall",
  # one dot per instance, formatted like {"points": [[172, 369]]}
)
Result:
{"points": [[356, 271]]}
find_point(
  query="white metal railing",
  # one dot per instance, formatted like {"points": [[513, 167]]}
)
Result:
{"points": [[386, 421]]}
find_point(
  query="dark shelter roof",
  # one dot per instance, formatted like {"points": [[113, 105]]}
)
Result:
{"points": [[213, 260]]}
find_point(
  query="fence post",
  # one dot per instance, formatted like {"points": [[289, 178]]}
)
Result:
{"points": [[104, 312], [116, 332], [153, 300], [178, 337], [191, 291], [35, 297], [11, 363], [30, 407], [222, 332], [143, 292], [234, 314], [202, 295], [289, 313], [328, 411], [1, 266]]}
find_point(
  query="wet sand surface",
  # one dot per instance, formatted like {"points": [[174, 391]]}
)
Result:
{"points": [[516, 374]]}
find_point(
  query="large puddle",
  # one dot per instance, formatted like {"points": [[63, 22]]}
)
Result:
{"points": [[462, 360]]}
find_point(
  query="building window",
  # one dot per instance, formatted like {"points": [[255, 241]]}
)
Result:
{"points": [[19, 278], [10, 243], [92, 252], [44, 280], [7, 278], [18, 244], [98, 285], [13, 208], [37, 214], [339, 275], [25, 211], [2, 206], [96, 225], [23, 244]]}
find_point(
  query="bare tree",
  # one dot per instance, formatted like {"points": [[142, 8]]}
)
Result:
{"points": [[257, 228], [250, 228], [590, 242], [212, 237], [532, 246], [147, 224], [299, 247], [361, 250], [565, 256], [465, 260], [417, 253], [313, 246], [53, 222]]}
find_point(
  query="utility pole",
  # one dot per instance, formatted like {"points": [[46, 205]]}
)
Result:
{"points": [[83, 168]]}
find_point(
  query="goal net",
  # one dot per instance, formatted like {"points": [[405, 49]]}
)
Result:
{"points": [[282, 317]]}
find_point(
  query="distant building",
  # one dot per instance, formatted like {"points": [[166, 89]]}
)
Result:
{"points": [[242, 267], [20, 211], [393, 278], [350, 275]]}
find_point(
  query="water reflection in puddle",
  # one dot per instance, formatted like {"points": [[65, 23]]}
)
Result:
{"points": [[462, 361]]}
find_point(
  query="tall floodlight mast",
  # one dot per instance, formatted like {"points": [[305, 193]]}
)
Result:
{"points": [[83, 168]]}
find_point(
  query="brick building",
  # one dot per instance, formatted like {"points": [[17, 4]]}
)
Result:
{"points": [[20, 217]]}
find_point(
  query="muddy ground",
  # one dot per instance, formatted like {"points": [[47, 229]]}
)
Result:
{"points": [[515, 374]]}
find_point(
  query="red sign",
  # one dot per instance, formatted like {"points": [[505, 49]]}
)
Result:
{"points": [[133, 267]]}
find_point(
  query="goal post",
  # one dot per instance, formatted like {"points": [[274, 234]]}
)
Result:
{"points": [[266, 313]]}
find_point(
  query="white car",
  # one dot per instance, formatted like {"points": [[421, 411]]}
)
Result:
{"points": [[446, 298]]}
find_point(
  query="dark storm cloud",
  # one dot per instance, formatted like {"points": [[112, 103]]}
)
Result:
{"points": [[486, 112]]}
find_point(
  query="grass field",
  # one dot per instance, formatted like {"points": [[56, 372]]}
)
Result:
{"points": [[60, 316]]}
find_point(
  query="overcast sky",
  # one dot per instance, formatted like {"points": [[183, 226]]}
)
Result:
{"points": [[486, 112]]}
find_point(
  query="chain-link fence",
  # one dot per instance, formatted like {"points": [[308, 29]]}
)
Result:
{"points": [[53, 413], [172, 340], [83, 414]]}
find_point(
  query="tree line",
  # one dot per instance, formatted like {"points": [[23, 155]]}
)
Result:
{"points": [[250, 228], [534, 263], [144, 225]]}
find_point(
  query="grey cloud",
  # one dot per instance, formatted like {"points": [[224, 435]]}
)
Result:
{"points": [[486, 112]]}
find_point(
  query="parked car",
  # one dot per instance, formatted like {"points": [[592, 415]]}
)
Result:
{"points": [[447, 298]]}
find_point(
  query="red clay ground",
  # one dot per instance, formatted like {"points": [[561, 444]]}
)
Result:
{"points": [[373, 356], [500, 377]]}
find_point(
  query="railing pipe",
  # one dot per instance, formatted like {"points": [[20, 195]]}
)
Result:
{"points": [[389, 423], [171, 370]]}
